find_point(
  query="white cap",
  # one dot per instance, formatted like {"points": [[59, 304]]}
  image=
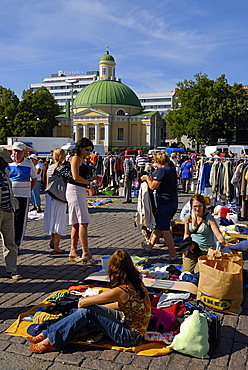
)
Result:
{"points": [[34, 156], [18, 146]]}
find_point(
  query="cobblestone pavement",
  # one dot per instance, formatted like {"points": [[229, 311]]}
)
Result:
{"points": [[111, 228]]}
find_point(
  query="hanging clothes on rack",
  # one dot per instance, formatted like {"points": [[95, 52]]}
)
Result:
{"points": [[205, 186]]}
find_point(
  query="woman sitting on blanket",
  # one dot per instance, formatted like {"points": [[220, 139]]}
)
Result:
{"points": [[125, 320]]}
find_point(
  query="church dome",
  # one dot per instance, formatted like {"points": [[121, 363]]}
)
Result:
{"points": [[107, 92]]}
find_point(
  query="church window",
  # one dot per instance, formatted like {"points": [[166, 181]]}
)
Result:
{"points": [[120, 112], [120, 133], [102, 133], [92, 133]]}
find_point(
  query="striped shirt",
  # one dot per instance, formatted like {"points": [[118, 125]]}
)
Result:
{"points": [[5, 193], [20, 175], [141, 160]]}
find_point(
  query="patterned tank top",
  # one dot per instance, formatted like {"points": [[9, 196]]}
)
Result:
{"points": [[136, 310]]}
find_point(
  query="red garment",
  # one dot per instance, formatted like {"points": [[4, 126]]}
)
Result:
{"points": [[78, 288], [175, 310]]}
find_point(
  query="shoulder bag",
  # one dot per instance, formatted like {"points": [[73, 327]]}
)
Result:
{"points": [[57, 189]]}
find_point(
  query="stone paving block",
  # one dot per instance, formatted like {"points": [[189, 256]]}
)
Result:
{"points": [[238, 357], [92, 363], [125, 358], [243, 322], [15, 339], [227, 331], [4, 344], [108, 354], [178, 362], [198, 363], [141, 362], [159, 362], [73, 355], [220, 353], [18, 362], [241, 336], [62, 366], [19, 349], [48, 356]]}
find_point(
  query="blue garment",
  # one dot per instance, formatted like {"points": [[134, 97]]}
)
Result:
{"points": [[167, 190], [35, 194], [205, 176], [109, 321], [164, 215], [185, 168]]}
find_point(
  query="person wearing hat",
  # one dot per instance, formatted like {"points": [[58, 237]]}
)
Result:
{"points": [[8, 204], [35, 193], [23, 177]]}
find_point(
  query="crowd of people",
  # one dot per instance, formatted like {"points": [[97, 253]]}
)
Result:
{"points": [[20, 184]]}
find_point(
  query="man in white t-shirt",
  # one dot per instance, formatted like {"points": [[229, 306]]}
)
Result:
{"points": [[23, 178]]}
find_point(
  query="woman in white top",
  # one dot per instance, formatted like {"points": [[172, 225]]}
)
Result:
{"points": [[55, 210]]}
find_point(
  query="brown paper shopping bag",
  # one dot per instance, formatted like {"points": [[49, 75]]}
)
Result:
{"points": [[221, 281]]}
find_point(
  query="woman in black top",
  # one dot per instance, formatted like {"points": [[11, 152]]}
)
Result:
{"points": [[77, 204]]}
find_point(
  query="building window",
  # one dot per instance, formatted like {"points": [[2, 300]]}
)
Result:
{"points": [[102, 133], [81, 132], [92, 133], [120, 133], [120, 112], [104, 70]]}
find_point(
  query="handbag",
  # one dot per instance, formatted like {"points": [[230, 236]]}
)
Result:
{"points": [[64, 170], [133, 174], [221, 281], [57, 189]]}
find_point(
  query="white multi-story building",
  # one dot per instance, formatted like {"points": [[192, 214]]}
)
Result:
{"points": [[161, 102], [60, 87]]}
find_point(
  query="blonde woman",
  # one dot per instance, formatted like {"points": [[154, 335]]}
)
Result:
{"points": [[165, 184], [55, 210]]}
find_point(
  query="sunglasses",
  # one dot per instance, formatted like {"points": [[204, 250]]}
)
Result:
{"points": [[87, 150]]}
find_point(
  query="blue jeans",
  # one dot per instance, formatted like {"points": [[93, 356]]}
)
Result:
{"points": [[109, 321], [35, 194]]}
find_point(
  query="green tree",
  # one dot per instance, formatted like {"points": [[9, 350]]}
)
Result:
{"points": [[8, 109], [36, 113], [207, 110]]}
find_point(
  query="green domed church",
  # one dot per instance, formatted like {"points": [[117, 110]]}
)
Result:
{"points": [[109, 113]]}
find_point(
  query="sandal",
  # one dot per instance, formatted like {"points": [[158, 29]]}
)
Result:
{"points": [[145, 247], [92, 261], [75, 259], [37, 339], [41, 348]]}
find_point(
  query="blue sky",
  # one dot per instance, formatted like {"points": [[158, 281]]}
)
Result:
{"points": [[155, 43]]}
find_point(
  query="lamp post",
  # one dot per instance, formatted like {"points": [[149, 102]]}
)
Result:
{"points": [[72, 83]]}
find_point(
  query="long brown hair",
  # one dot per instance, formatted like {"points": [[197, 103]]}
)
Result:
{"points": [[122, 271]]}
